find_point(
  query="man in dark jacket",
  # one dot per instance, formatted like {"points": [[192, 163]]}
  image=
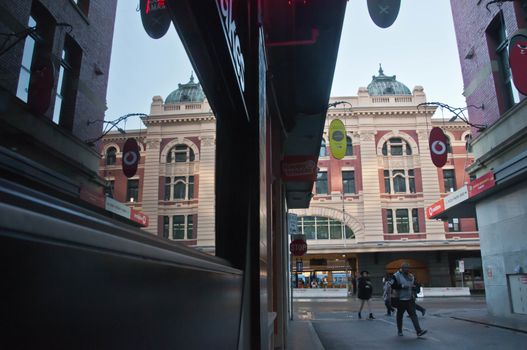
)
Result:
{"points": [[403, 282], [365, 291]]}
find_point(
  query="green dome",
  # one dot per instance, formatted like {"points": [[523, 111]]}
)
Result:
{"points": [[189, 92], [386, 85]]}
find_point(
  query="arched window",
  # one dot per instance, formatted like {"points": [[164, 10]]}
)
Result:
{"points": [[111, 156], [180, 154], [323, 150], [319, 227], [396, 146], [349, 146]]}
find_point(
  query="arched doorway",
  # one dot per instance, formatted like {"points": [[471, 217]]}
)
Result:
{"points": [[417, 268]]}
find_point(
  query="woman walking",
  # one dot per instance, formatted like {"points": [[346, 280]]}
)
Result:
{"points": [[365, 291]]}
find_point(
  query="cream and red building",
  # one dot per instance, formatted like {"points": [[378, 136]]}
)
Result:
{"points": [[367, 210]]}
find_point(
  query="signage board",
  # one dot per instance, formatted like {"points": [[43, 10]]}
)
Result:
{"points": [[518, 62], [139, 217], [384, 12], [456, 197], [461, 265], [438, 147], [337, 138], [299, 168], [117, 207], [131, 157], [292, 223], [298, 247], [481, 184], [435, 208], [155, 17]]}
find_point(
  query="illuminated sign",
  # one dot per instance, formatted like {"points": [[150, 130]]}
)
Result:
{"points": [[384, 12], [337, 138], [225, 9], [438, 147], [155, 17]]}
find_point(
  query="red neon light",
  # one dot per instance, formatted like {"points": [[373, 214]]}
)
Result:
{"points": [[160, 5]]}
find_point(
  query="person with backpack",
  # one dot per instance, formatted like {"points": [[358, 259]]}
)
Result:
{"points": [[403, 282], [365, 291]]}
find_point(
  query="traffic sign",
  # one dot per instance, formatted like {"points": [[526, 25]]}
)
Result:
{"points": [[298, 247]]}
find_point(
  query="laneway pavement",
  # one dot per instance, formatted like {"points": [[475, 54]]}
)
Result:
{"points": [[452, 323]]}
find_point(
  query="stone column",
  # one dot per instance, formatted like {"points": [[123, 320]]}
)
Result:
{"points": [[372, 217], [206, 209], [151, 183]]}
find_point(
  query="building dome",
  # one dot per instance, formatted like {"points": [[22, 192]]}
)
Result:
{"points": [[189, 92], [386, 85]]}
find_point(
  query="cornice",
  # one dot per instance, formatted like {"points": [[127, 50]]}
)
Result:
{"points": [[168, 119]]}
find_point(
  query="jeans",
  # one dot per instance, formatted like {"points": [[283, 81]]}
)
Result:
{"points": [[409, 306]]}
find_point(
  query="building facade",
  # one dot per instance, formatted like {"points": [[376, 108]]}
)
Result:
{"points": [[500, 146], [368, 208]]}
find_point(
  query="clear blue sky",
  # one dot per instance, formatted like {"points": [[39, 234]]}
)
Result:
{"points": [[420, 48]]}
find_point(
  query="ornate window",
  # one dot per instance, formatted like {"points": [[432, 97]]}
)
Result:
{"points": [[349, 146], [402, 220], [322, 228], [322, 183], [111, 156], [179, 188], [180, 154], [399, 180], [396, 146], [178, 227]]}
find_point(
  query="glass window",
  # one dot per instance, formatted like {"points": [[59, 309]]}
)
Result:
{"points": [[27, 60], [308, 226], [179, 187], [385, 149], [468, 146], [396, 147], [408, 149], [449, 179], [132, 191], [190, 187], [335, 229], [110, 188], [168, 186], [448, 145], [389, 220], [411, 180], [415, 220], [387, 182], [402, 221], [178, 227], [322, 227], [180, 154], [348, 181], [349, 232], [399, 181], [396, 150], [323, 150], [166, 226], [349, 146], [190, 227], [453, 225], [322, 183], [111, 156], [58, 96]]}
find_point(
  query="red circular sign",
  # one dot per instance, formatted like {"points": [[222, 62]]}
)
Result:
{"points": [[131, 157], [438, 147], [298, 247]]}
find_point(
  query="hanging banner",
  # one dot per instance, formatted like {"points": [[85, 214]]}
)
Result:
{"points": [[41, 86], [337, 138], [131, 157], [155, 17], [438, 147], [518, 62], [384, 12]]}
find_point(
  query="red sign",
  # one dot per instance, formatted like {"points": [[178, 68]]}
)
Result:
{"points": [[438, 147], [518, 62], [139, 217], [131, 157], [435, 208], [298, 247], [384, 12], [481, 184], [299, 168], [155, 17], [40, 86]]}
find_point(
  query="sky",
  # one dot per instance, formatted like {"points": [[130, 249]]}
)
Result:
{"points": [[419, 48]]}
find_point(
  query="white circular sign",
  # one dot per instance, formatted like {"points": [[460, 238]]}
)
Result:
{"points": [[441, 145], [130, 158]]}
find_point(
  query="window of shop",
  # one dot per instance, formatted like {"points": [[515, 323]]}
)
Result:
{"points": [[349, 146], [180, 154], [319, 227], [449, 180], [132, 190], [322, 183], [348, 182]]}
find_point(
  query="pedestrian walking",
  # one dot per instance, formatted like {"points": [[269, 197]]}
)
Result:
{"points": [[403, 281], [387, 294], [365, 291]]}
